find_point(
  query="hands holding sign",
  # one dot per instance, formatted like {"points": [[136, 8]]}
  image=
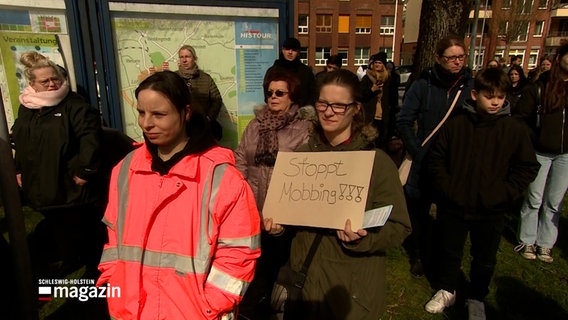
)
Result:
{"points": [[272, 228], [348, 235], [345, 235]]}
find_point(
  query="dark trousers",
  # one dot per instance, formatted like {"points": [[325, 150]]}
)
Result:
{"points": [[418, 244], [275, 253], [69, 237], [485, 236]]}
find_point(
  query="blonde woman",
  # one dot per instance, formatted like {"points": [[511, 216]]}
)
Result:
{"points": [[378, 98]]}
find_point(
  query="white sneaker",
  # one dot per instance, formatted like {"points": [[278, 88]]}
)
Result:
{"points": [[475, 309], [527, 251], [543, 254], [440, 301]]}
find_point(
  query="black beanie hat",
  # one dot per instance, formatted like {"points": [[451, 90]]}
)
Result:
{"points": [[291, 43], [381, 56]]}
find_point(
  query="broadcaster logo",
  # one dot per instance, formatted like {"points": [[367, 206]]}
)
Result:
{"points": [[81, 289]]}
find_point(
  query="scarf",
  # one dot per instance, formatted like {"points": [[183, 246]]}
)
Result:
{"points": [[187, 75], [270, 123], [447, 79], [37, 100]]}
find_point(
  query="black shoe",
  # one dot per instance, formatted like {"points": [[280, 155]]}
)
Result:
{"points": [[416, 269]]}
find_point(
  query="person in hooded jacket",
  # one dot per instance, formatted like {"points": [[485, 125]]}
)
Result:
{"points": [[289, 60], [280, 125], [479, 165], [425, 104], [347, 275], [182, 221]]}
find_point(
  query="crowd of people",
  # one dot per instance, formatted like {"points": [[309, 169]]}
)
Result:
{"points": [[185, 234]]}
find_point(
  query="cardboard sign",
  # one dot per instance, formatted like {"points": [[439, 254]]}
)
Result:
{"points": [[319, 189]]}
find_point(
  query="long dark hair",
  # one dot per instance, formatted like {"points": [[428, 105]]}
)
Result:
{"points": [[556, 88], [521, 72], [173, 87]]}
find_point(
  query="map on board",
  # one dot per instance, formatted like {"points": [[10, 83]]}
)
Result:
{"points": [[150, 44]]}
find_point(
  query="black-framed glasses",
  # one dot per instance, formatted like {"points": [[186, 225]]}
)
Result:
{"points": [[461, 57], [337, 108], [278, 93]]}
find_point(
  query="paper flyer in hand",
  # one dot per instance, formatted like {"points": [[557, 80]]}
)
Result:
{"points": [[376, 217]]}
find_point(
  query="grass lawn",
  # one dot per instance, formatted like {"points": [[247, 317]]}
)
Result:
{"points": [[520, 289]]}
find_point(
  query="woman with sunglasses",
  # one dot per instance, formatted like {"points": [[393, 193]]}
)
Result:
{"points": [[56, 137], [425, 104], [280, 125], [347, 276]]}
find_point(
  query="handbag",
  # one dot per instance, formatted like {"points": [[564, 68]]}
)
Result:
{"points": [[404, 169], [287, 290]]}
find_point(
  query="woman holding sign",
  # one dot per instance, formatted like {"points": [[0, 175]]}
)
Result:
{"points": [[346, 277], [278, 126]]}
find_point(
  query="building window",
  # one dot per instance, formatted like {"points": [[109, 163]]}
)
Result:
{"points": [[387, 25], [303, 23], [542, 4], [344, 54], [362, 56], [523, 31], [323, 23], [517, 52], [506, 4], [503, 25], [343, 24], [388, 50], [363, 24], [321, 56], [478, 59], [538, 29], [304, 55], [499, 54], [525, 6], [533, 58]]}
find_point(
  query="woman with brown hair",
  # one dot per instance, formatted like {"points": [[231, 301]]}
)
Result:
{"points": [[425, 104], [540, 212], [347, 275]]}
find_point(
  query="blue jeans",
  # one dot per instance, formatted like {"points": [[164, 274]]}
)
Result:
{"points": [[541, 209]]}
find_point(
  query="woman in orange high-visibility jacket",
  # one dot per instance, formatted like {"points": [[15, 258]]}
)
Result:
{"points": [[182, 222]]}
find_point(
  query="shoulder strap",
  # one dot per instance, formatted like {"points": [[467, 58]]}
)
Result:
{"points": [[301, 279], [444, 119]]}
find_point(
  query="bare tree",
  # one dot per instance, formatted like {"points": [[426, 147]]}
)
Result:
{"points": [[511, 21], [439, 18]]}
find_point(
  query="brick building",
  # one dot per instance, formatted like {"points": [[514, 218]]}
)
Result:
{"points": [[354, 29], [528, 28]]}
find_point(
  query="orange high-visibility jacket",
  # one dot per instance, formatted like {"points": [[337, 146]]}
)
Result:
{"points": [[183, 245]]}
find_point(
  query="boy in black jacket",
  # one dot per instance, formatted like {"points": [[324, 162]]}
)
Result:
{"points": [[480, 163]]}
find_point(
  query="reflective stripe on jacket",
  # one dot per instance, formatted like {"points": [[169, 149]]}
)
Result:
{"points": [[183, 245]]}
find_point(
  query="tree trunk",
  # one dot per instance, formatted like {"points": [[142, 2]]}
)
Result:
{"points": [[439, 18]]}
